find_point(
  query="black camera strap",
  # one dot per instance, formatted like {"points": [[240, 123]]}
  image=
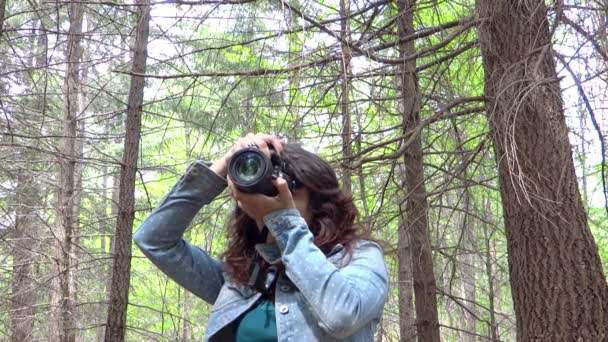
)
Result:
{"points": [[258, 279]]}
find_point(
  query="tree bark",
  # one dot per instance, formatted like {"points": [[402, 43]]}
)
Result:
{"points": [[3, 4], [345, 77], [121, 269], [26, 244], [558, 287], [407, 318], [23, 251], [466, 256], [62, 302], [416, 206], [295, 54], [489, 259]]}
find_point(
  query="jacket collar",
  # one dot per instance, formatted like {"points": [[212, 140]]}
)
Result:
{"points": [[271, 253]]}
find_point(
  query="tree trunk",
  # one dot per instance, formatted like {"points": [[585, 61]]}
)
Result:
{"points": [[102, 218], [489, 258], [121, 269], [62, 302], [558, 287], [2, 16], [466, 257], [407, 318], [360, 174], [295, 54], [26, 246], [345, 77], [467, 266], [23, 251], [416, 206]]}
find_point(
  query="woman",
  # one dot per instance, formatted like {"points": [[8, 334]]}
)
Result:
{"points": [[317, 280]]}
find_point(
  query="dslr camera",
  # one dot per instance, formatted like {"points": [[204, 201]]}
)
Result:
{"points": [[252, 171]]}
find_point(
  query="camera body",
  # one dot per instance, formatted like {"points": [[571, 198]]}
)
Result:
{"points": [[252, 171]]}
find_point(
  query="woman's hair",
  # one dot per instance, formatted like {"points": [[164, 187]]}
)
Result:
{"points": [[333, 213]]}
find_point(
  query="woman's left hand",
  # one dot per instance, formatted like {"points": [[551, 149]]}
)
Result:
{"points": [[257, 205]]}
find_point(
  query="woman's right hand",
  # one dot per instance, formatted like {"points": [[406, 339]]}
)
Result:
{"points": [[220, 166]]}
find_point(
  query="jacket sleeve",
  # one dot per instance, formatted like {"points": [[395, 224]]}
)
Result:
{"points": [[160, 235], [343, 299]]}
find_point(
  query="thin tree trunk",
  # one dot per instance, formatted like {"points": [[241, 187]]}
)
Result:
{"points": [[107, 237], [468, 268], [26, 245], [295, 54], [3, 4], [558, 287], [78, 171], [489, 264], [62, 302], [416, 206], [467, 247], [407, 318], [360, 174], [121, 270], [23, 251], [345, 76], [103, 273]]}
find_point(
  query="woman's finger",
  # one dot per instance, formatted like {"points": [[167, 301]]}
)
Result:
{"points": [[273, 140], [284, 195]]}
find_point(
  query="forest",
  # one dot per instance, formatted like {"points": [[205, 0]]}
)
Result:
{"points": [[472, 135]]}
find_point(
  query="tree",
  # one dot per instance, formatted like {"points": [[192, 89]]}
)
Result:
{"points": [[121, 268], [415, 206], [62, 301], [345, 79], [559, 289], [3, 4]]}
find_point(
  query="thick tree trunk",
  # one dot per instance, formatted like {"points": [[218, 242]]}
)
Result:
{"points": [[559, 290], [416, 206], [121, 269], [62, 302], [345, 78]]}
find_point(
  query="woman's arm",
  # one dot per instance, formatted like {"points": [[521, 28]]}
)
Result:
{"points": [[160, 235], [343, 299]]}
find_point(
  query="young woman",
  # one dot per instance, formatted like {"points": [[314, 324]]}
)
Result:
{"points": [[317, 279]]}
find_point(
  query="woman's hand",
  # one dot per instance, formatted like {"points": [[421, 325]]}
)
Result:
{"points": [[257, 205], [262, 141]]}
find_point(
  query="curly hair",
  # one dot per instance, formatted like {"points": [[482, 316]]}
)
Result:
{"points": [[333, 213]]}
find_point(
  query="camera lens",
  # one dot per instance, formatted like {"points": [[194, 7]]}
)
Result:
{"points": [[251, 171], [248, 166]]}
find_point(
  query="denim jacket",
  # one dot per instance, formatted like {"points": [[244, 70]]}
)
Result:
{"points": [[318, 298]]}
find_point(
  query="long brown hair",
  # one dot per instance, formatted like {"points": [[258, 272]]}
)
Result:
{"points": [[333, 213]]}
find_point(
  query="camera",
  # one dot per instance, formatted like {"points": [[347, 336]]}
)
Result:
{"points": [[252, 171]]}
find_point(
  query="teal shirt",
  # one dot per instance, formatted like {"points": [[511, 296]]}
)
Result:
{"points": [[258, 324]]}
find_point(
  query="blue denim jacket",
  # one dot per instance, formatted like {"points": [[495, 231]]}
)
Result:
{"points": [[318, 298]]}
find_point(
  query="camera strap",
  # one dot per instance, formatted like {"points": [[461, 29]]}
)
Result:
{"points": [[257, 276]]}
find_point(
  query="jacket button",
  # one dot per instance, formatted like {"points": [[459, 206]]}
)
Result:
{"points": [[283, 309], [285, 288]]}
